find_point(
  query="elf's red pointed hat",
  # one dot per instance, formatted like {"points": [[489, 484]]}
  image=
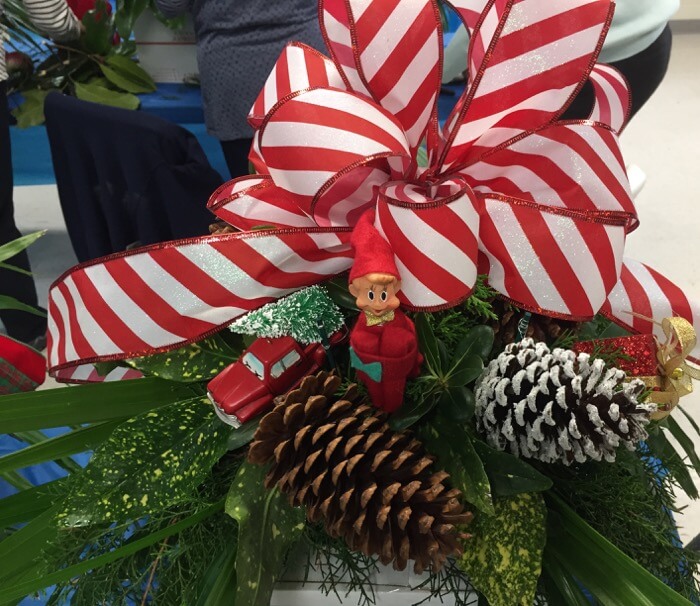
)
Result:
{"points": [[373, 253]]}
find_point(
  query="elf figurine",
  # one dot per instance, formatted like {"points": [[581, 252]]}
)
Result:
{"points": [[383, 343]]}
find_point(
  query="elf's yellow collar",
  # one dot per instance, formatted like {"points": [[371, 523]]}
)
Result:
{"points": [[373, 320]]}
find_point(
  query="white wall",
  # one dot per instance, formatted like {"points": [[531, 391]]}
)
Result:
{"points": [[690, 9]]}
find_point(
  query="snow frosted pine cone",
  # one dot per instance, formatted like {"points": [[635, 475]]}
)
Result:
{"points": [[558, 405]]}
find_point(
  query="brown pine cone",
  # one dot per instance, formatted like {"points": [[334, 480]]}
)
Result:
{"points": [[374, 487]]}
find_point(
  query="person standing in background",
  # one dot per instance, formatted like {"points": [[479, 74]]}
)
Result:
{"points": [[55, 19], [638, 45], [238, 44]]}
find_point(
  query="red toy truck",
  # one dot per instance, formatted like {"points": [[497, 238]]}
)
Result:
{"points": [[269, 367]]}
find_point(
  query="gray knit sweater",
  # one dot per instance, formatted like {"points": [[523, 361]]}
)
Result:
{"points": [[238, 42], [53, 17]]}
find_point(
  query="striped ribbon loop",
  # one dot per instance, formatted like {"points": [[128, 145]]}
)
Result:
{"points": [[612, 97], [390, 50], [539, 55], [433, 230], [299, 67], [253, 202]]}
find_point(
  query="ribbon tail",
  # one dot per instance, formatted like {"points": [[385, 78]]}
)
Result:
{"points": [[643, 298], [164, 296]]}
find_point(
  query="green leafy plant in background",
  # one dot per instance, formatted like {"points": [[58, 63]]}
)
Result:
{"points": [[7, 251], [99, 67]]}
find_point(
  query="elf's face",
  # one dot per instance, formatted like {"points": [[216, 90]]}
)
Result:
{"points": [[375, 293]]}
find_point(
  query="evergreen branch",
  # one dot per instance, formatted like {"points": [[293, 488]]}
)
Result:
{"points": [[450, 582], [154, 567], [338, 564]]}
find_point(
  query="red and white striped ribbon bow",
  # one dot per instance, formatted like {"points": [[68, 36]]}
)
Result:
{"points": [[542, 206]]}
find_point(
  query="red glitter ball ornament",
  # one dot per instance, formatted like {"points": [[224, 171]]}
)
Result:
{"points": [[635, 354]]}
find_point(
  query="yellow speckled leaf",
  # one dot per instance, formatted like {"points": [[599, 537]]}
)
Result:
{"points": [[196, 362], [504, 557], [150, 462], [267, 527]]}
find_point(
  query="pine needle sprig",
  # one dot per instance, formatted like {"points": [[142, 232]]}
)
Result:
{"points": [[450, 582], [452, 325], [611, 354], [479, 304], [565, 340], [339, 565], [180, 563]]}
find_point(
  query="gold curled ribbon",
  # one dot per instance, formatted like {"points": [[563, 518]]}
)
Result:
{"points": [[675, 375]]}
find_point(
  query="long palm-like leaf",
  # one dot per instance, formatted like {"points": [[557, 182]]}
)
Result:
{"points": [[88, 403], [612, 577], [28, 504], [37, 582], [9, 250], [79, 440]]}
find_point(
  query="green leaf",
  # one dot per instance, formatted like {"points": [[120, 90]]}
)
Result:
{"points": [[606, 572], [94, 92], [70, 443], [12, 303], [428, 343], [509, 475], [128, 11], [466, 370], [24, 506], [338, 290], [219, 585], [66, 462], [267, 527], [14, 268], [127, 75], [87, 403], [408, 414], [99, 30], [243, 435], [19, 551], [443, 354], [684, 441], [457, 403], [31, 111], [690, 419], [478, 341], [9, 250], [150, 462], [562, 588], [662, 449], [504, 556], [40, 581], [15, 479], [600, 328], [193, 363], [452, 446]]}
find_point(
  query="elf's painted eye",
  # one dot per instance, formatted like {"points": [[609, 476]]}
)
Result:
{"points": [[384, 296], [370, 295]]}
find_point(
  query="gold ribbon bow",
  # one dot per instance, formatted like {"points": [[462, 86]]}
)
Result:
{"points": [[675, 375]]}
